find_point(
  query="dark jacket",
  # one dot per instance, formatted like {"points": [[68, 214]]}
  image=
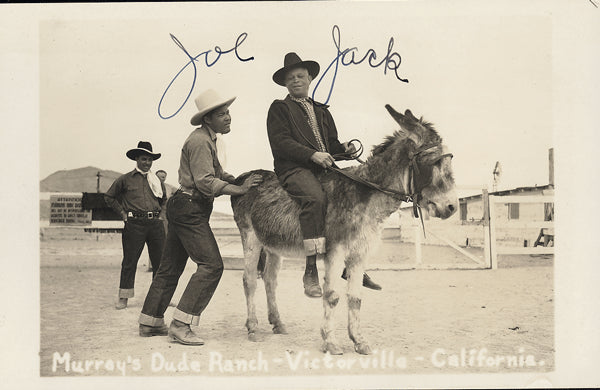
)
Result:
{"points": [[292, 139]]}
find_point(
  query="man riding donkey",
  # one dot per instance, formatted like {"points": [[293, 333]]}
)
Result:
{"points": [[304, 143]]}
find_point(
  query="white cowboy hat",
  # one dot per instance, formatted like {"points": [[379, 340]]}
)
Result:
{"points": [[206, 102]]}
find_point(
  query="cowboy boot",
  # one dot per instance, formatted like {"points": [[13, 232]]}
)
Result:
{"points": [[310, 279], [121, 304], [181, 332], [149, 331], [367, 281]]}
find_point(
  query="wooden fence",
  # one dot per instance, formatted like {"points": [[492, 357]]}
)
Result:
{"points": [[491, 224]]}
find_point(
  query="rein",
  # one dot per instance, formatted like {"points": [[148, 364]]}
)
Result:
{"points": [[413, 195]]}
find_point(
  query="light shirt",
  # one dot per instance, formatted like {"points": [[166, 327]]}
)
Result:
{"points": [[199, 165], [153, 181], [131, 192]]}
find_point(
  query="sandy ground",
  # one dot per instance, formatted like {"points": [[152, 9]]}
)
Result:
{"points": [[423, 321]]}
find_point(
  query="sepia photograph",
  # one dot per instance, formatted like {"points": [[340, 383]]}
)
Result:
{"points": [[304, 194]]}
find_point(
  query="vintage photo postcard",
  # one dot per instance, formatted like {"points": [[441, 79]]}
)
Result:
{"points": [[300, 195]]}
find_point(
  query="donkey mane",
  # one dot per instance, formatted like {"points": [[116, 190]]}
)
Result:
{"points": [[431, 135]]}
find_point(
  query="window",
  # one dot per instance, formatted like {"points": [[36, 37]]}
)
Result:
{"points": [[548, 211], [513, 211], [463, 211]]}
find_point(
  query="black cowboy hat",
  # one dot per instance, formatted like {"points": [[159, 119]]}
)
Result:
{"points": [[142, 148], [292, 61]]}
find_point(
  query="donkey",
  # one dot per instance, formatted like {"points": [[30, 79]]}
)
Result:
{"points": [[411, 161]]}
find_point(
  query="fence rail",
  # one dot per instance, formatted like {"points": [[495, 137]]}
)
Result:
{"points": [[491, 224]]}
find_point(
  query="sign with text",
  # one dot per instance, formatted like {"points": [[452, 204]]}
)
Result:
{"points": [[67, 210]]}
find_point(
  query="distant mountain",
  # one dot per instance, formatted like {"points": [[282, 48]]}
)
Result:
{"points": [[78, 180], [82, 180]]}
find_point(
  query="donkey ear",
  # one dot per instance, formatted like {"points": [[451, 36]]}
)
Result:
{"points": [[395, 114], [409, 115], [406, 122]]}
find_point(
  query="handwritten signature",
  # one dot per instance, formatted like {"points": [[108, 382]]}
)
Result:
{"points": [[346, 57], [240, 39]]}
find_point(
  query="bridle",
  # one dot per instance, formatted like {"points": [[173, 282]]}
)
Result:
{"points": [[414, 193]]}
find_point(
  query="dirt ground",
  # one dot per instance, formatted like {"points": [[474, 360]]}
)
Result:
{"points": [[423, 321]]}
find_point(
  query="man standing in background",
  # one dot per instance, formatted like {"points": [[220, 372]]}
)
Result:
{"points": [[137, 197], [162, 176]]}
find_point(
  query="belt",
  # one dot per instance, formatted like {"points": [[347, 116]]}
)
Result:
{"points": [[143, 215], [184, 190]]}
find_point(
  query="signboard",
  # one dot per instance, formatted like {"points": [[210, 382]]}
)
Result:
{"points": [[67, 210]]}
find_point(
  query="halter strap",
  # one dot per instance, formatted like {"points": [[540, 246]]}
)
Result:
{"points": [[413, 196]]}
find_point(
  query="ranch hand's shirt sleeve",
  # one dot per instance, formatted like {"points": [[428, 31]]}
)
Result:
{"points": [[199, 166], [131, 192], [112, 196], [228, 177]]}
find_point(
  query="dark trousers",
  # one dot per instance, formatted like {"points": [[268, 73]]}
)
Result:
{"points": [[137, 233], [302, 186], [190, 236]]}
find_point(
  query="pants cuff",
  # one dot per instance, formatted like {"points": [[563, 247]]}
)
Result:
{"points": [[185, 317], [314, 246], [126, 293], [145, 319]]}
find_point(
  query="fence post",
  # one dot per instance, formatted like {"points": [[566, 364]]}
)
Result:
{"points": [[493, 244], [418, 258], [487, 251]]}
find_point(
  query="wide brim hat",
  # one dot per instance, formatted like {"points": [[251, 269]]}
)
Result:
{"points": [[143, 147], [293, 61], [206, 102]]}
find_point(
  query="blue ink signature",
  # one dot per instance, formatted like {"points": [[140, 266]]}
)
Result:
{"points": [[391, 61], [240, 39]]}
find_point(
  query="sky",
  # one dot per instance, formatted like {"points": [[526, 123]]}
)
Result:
{"points": [[483, 79]]}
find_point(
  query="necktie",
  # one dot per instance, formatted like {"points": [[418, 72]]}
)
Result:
{"points": [[312, 121]]}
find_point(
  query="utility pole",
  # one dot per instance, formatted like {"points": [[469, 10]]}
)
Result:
{"points": [[551, 167], [497, 173]]}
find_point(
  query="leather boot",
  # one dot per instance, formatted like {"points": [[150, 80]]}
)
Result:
{"points": [[182, 333], [310, 279], [149, 331], [367, 281], [121, 304]]}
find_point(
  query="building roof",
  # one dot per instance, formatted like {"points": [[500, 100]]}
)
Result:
{"points": [[513, 191]]}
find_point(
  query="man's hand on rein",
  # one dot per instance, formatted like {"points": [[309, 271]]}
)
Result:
{"points": [[350, 149], [323, 159]]}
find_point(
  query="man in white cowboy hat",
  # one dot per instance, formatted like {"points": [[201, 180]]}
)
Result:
{"points": [[137, 197], [201, 179], [303, 138]]}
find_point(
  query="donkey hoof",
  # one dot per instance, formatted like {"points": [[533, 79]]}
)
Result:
{"points": [[332, 348], [252, 337], [280, 329], [362, 348]]}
